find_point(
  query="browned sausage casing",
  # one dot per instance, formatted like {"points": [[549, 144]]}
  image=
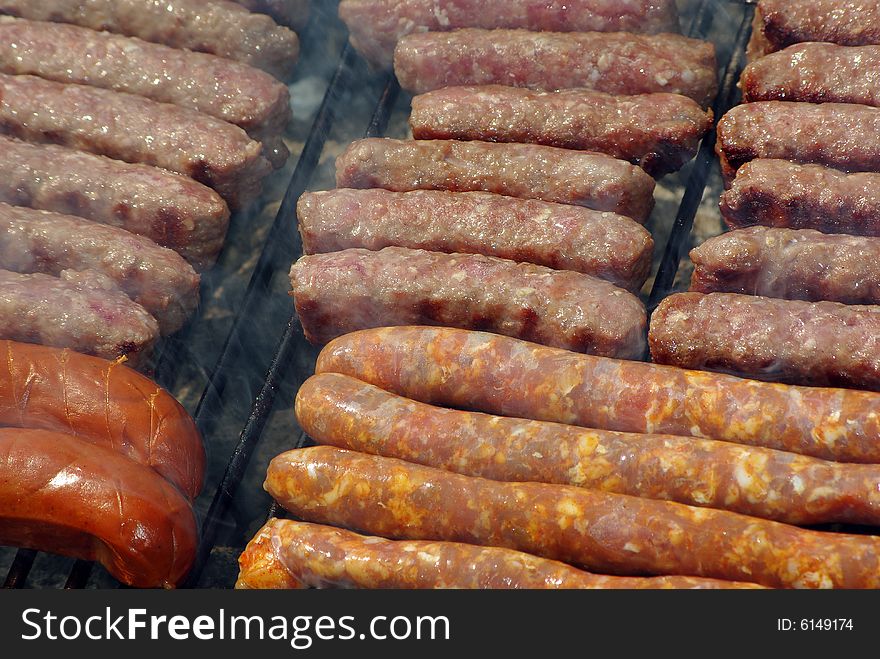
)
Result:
{"points": [[340, 411], [289, 554], [612, 533], [103, 403], [64, 495], [502, 375]]}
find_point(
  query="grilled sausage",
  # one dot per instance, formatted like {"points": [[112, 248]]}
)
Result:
{"points": [[234, 92], [134, 129], [779, 193], [528, 171], [604, 245], [375, 26], [611, 62], [210, 26], [340, 411], [63, 495], [659, 132], [172, 210], [292, 13], [791, 264], [809, 343], [340, 292], [288, 554], [158, 279], [501, 375], [104, 403], [612, 533], [785, 22], [840, 135]]}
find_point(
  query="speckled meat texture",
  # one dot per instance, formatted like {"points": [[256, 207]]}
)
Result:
{"points": [[293, 13], [788, 263], [612, 62], [172, 210], [840, 135], [845, 22], [605, 532], [659, 132], [604, 245], [289, 554], [65, 314], [815, 73], [338, 410], [355, 289], [219, 87], [809, 343], [779, 193], [158, 279], [528, 171], [136, 130], [377, 25], [210, 26], [501, 375]]}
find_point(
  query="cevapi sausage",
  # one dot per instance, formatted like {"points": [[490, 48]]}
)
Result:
{"points": [[501, 375], [612, 533], [611, 62], [604, 245], [375, 26], [134, 129], [158, 279], [292, 13], [779, 193], [64, 495], [840, 135], [781, 23], [210, 26], [289, 554], [228, 90], [791, 264], [340, 292], [340, 411], [104, 403], [808, 343], [527, 171], [658, 132]]}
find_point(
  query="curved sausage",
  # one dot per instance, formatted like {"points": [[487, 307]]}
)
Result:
{"points": [[289, 554], [501, 375], [808, 343], [611, 533], [340, 411], [64, 495], [104, 403]]}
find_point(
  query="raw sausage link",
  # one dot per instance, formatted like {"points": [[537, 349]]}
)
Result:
{"points": [[604, 245], [376, 25], [814, 73], [292, 13], [659, 132], [779, 193], [528, 171], [104, 403], [501, 375], [791, 264], [156, 278], [809, 343], [288, 554], [840, 135], [851, 23], [613, 62], [134, 129], [172, 210], [341, 292], [340, 411], [61, 494], [210, 26], [605, 532], [77, 312]]}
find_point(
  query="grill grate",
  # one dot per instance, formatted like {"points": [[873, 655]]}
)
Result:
{"points": [[283, 246]]}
